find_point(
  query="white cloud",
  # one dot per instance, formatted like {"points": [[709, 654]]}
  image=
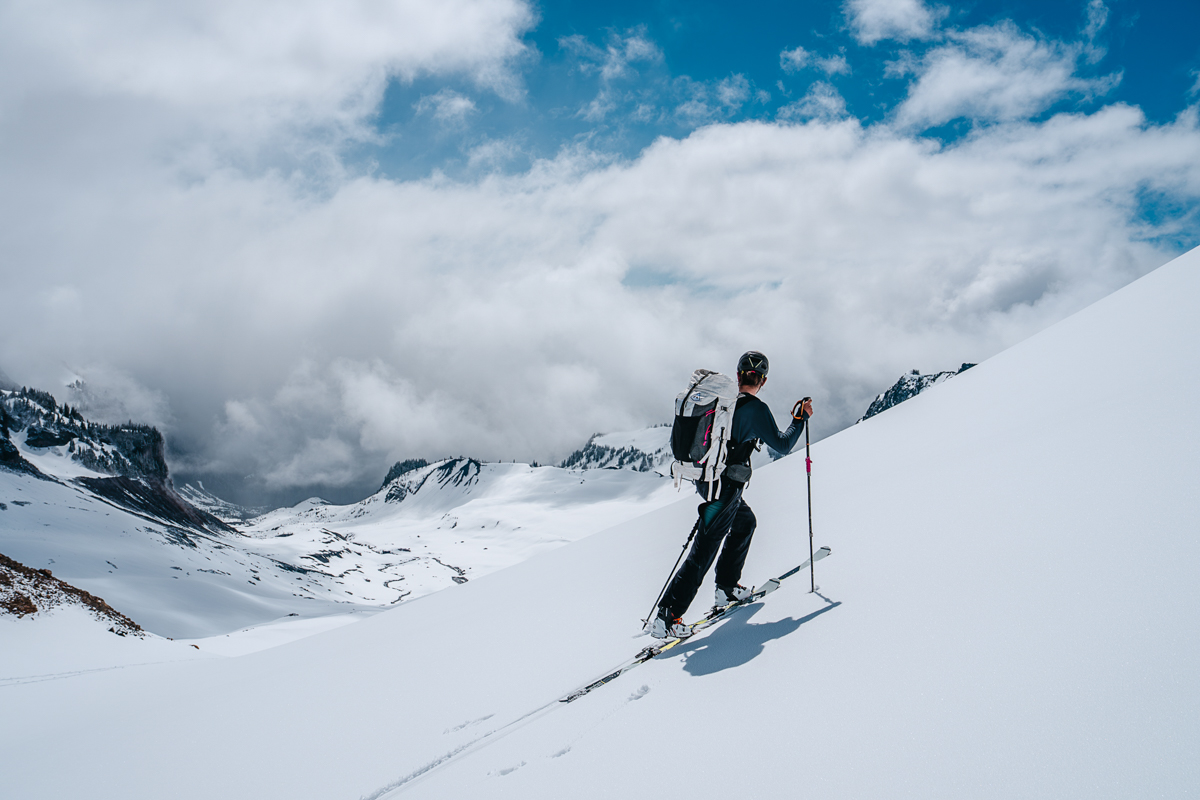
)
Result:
{"points": [[493, 153], [612, 63], [617, 58], [113, 397], [221, 80], [709, 101], [995, 73], [795, 59], [733, 91], [1097, 18], [431, 318], [446, 106], [798, 58], [312, 331], [875, 20], [822, 101], [834, 65]]}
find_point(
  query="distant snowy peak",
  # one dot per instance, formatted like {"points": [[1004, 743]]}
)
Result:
{"points": [[223, 510], [646, 450], [908, 387]]}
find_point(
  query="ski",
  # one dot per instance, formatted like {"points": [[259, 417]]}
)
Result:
{"points": [[714, 615]]}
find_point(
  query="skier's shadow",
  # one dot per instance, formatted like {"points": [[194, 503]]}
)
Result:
{"points": [[738, 641]]}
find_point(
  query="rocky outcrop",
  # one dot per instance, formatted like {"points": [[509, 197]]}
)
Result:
{"points": [[10, 457], [907, 387], [130, 450], [453, 472], [25, 591], [403, 468]]}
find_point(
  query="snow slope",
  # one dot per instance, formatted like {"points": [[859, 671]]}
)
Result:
{"points": [[431, 528], [1010, 610]]}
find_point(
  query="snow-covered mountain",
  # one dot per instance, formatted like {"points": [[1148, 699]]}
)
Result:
{"points": [[647, 450], [95, 504], [908, 387], [1009, 611], [448, 522], [229, 513]]}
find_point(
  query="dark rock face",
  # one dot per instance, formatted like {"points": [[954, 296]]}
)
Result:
{"points": [[907, 387], [42, 437], [10, 457], [133, 454], [453, 472], [402, 467], [130, 450], [154, 498], [12, 460]]}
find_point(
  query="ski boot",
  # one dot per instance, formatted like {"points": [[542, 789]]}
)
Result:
{"points": [[731, 594], [666, 627]]}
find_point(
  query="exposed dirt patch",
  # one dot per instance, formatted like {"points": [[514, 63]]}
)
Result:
{"points": [[25, 591]]}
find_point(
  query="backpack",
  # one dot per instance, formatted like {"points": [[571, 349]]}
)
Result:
{"points": [[702, 427]]}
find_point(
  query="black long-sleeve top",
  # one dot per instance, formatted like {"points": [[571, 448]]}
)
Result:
{"points": [[753, 420]]}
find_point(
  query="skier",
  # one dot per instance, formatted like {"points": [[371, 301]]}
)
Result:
{"points": [[728, 518]]}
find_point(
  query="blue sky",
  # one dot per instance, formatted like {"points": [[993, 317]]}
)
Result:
{"points": [[1150, 49]]}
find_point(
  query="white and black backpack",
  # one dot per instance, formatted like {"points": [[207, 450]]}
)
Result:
{"points": [[702, 427]]}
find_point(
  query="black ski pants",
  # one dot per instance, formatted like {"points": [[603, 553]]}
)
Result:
{"points": [[725, 519]]}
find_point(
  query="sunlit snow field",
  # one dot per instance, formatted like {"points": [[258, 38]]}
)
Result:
{"points": [[1010, 610]]}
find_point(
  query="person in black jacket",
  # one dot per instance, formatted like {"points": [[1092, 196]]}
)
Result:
{"points": [[728, 518]]}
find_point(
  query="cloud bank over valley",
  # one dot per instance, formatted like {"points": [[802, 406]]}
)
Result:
{"points": [[193, 230]]}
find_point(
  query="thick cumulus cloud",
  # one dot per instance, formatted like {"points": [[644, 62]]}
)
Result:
{"points": [[875, 20], [296, 61], [310, 332], [996, 73]]}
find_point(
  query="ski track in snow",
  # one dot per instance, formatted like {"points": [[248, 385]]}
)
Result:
{"points": [[408, 781], [685, 653], [1017, 616], [20, 680]]}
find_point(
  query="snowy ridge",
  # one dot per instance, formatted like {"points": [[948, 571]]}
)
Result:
{"points": [[1032, 638], [647, 450], [172, 562], [223, 510], [47, 427], [908, 387]]}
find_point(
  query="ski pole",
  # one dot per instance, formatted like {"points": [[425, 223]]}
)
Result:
{"points": [[812, 564], [661, 592]]}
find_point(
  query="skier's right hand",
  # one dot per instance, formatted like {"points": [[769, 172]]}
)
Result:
{"points": [[803, 409]]}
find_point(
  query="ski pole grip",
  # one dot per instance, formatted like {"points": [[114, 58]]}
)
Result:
{"points": [[798, 409]]}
